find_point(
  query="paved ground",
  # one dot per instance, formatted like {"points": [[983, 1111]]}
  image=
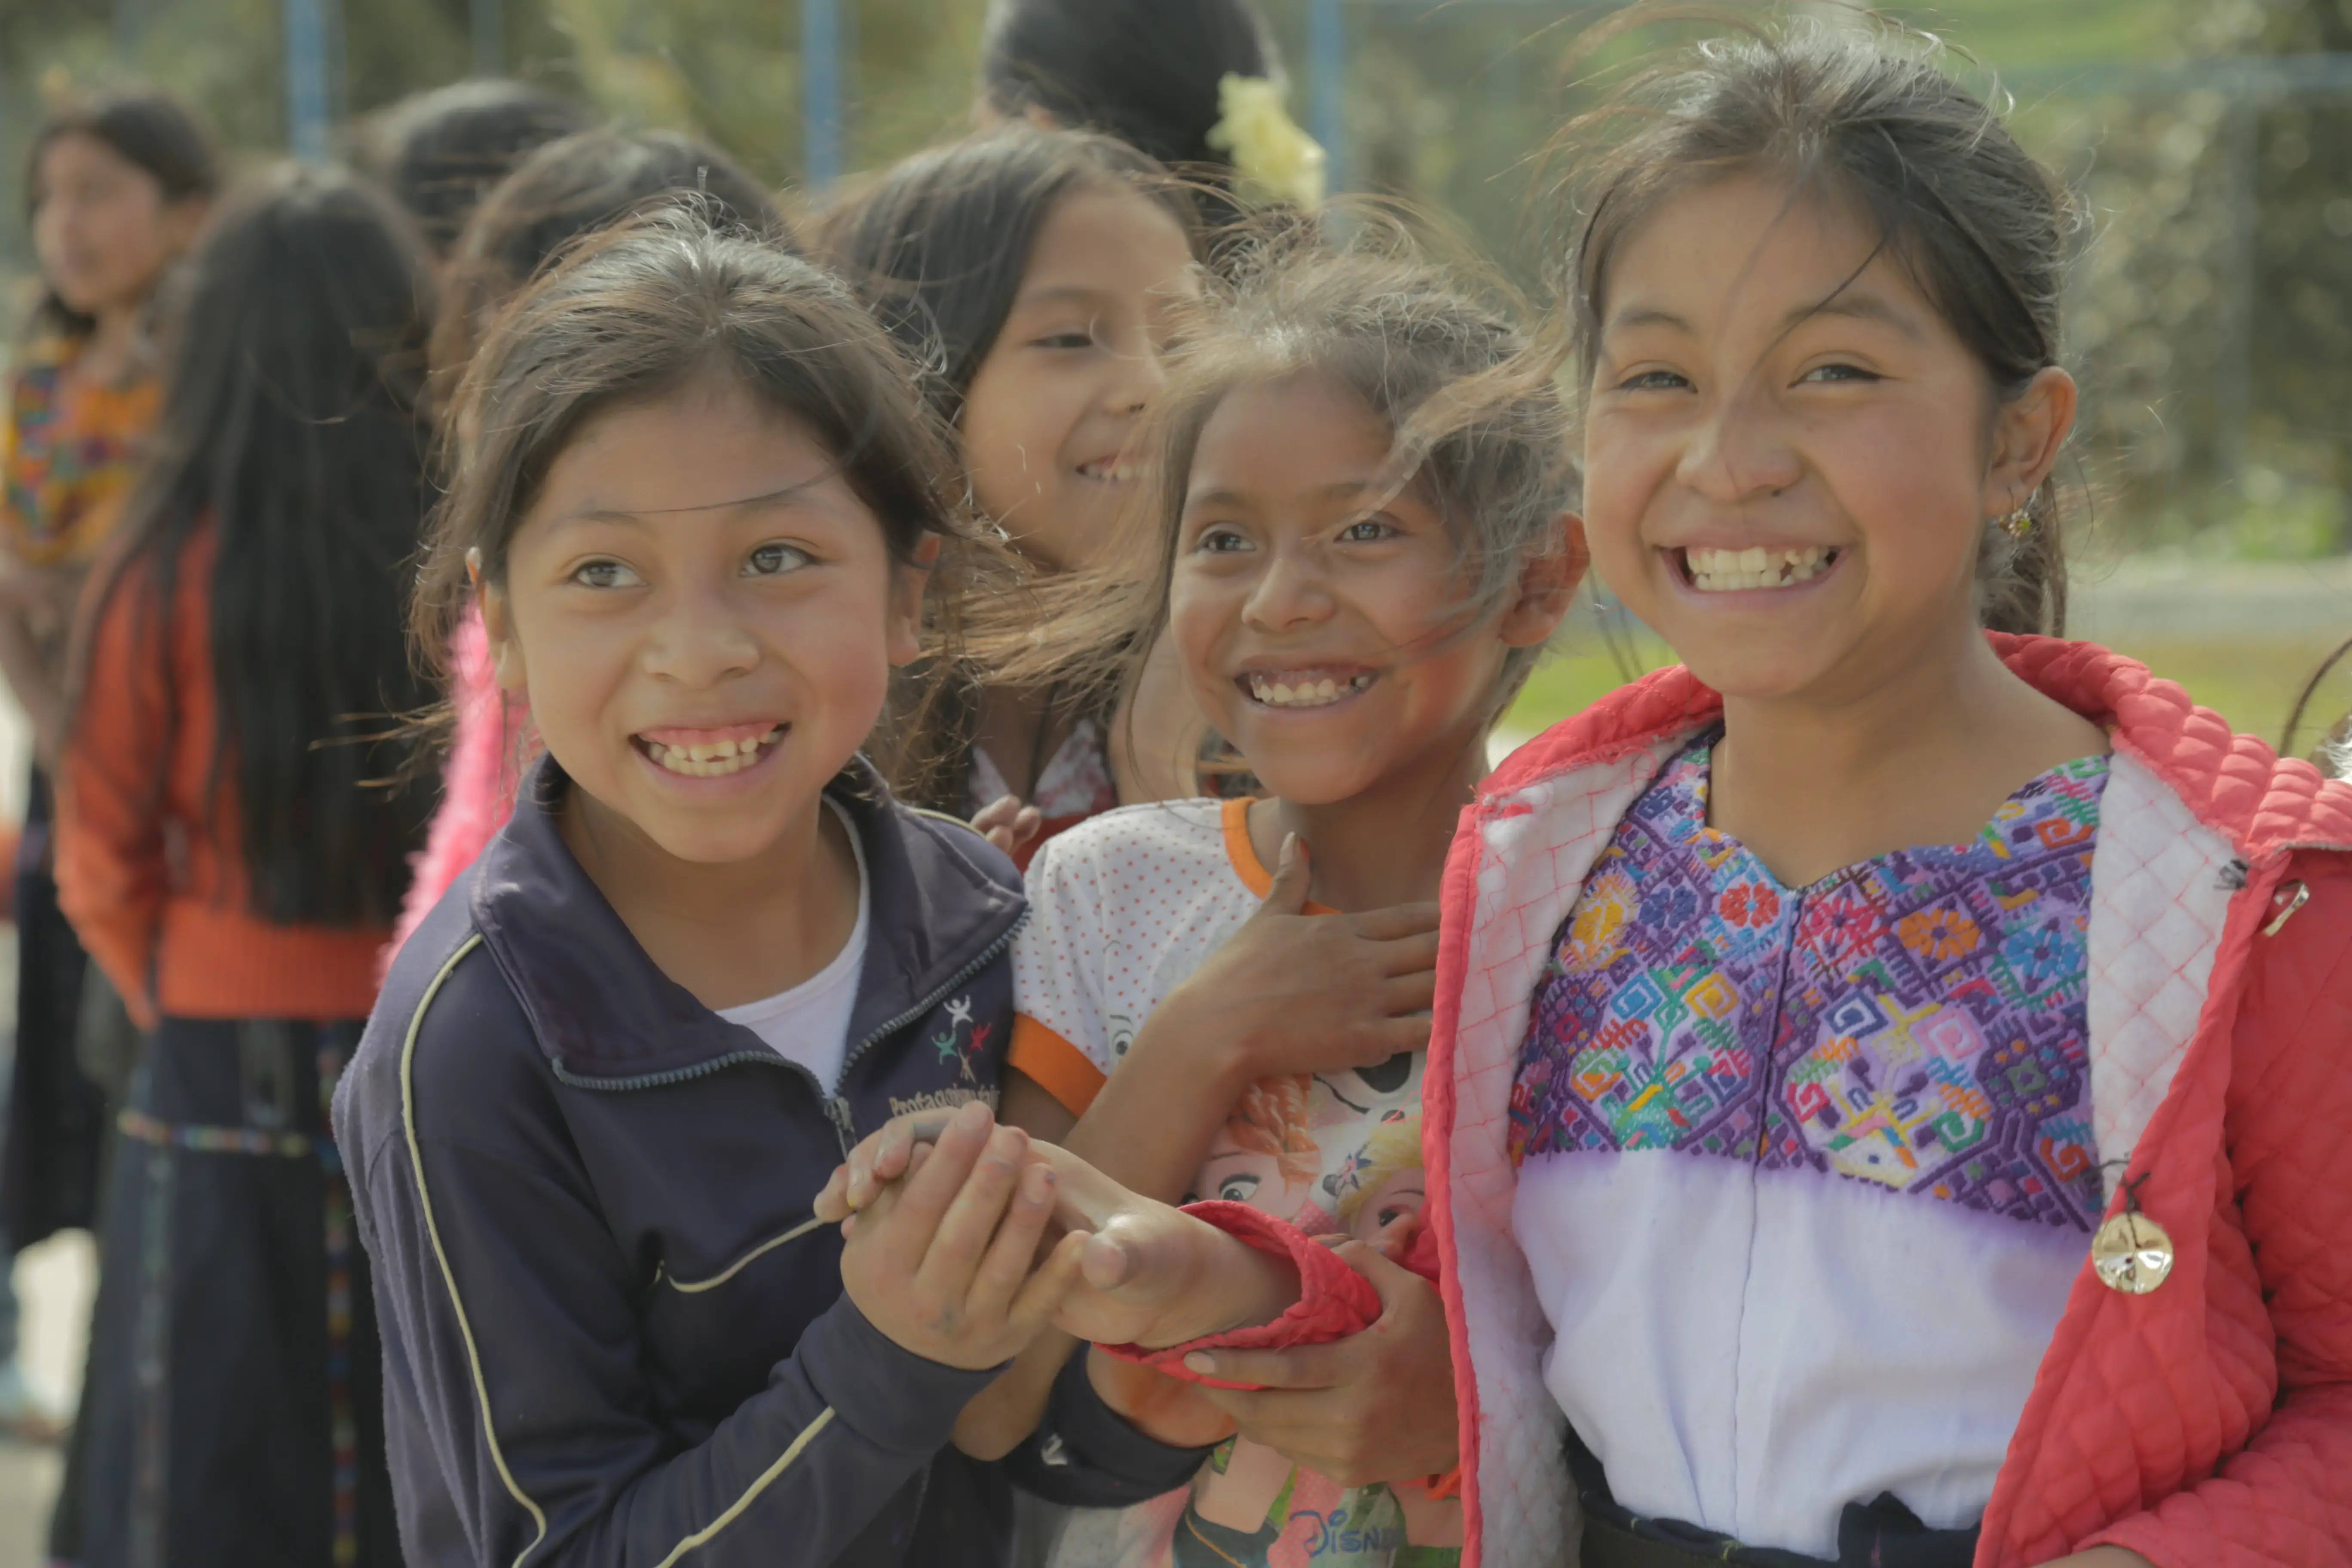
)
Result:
{"points": [[54, 1280]]}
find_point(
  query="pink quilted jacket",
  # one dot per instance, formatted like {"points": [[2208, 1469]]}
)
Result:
{"points": [[2206, 1424]]}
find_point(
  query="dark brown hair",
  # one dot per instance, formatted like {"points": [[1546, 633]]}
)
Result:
{"points": [[152, 131], [1146, 71], [290, 430], [571, 188], [938, 243], [642, 311], [1478, 425], [1868, 117], [441, 151]]}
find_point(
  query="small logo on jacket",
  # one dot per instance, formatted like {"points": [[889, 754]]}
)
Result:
{"points": [[942, 1100], [961, 1040]]}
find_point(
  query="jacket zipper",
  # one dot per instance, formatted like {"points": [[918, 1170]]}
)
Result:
{"points": [[836, 1106]]}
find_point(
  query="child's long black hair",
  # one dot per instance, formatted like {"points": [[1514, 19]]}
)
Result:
{"points": [[290, 425]]}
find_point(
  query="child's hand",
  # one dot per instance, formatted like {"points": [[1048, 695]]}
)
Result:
{"points": [[1009, 825], [1146, 1274], [903, 1143], [1293, 992], [1150, 1274], [944, 1261], [1376, 1406]]}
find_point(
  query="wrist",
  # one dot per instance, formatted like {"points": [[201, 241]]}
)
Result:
{"points": [[1264, 1286], [1218, 1055], [1177, 1059]]}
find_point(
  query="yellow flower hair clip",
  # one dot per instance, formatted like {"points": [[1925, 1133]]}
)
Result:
{"points": [[1274, 159]]}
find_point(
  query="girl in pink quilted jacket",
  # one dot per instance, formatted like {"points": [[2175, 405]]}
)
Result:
{"points": [[1890, 1099]]}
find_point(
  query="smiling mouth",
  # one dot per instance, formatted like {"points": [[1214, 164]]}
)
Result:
{"points": [[1733, 570], [1106, 471], [707, 754], [1302, 687]]}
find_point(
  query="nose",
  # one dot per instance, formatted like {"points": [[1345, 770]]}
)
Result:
{"points": [[698, 641], [1293, 591], [1739, 450], [1142, 371]]}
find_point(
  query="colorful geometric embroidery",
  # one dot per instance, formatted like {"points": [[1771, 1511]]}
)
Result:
{"points": [[1915, 1021], [72, 451]]}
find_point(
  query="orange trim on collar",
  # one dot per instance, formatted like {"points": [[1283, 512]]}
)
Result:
{"points": [[1239, 850]]}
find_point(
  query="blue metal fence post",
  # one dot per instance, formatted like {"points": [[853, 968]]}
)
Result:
{"points": [[490, 24], [307, 111], [1327, 56], [819, 90]]}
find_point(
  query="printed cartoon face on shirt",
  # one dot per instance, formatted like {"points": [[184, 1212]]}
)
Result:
{"points": [[1381, 1092], [1265, 1155], [1378, 1192]]}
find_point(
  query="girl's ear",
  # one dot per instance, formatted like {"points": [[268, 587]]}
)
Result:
{"points": [[497, 628], [2027, 433], [908, 582], [1547, 586]]}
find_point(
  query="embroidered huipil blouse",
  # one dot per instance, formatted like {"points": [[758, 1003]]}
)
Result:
{"points": [[69, 450], [1805, 1174]]}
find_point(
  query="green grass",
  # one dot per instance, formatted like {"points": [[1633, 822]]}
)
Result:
{"points": [[2250, 684]]}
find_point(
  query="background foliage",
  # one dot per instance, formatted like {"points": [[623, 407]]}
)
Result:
{"points": [[2211, 318]]}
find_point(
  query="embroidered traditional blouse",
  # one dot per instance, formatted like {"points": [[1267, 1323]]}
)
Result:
{"points": [[68, 452], [1806, 1173]]}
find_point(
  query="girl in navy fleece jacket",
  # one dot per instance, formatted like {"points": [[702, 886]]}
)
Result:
{"points": [[698, 503]]}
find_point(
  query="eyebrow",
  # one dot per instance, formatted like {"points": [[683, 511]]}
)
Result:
{"points": [[1223, 496], [769, 499], [1858, 305], [1063, 293]]}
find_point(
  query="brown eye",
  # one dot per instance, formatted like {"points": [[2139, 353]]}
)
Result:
{"points": [[605, 574], [774, 559]]}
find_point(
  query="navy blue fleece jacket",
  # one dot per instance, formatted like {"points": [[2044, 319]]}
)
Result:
{"points": [[613, 1334]]}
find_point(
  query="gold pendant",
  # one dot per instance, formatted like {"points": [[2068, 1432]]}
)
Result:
{"points": [[2132, 1253]]}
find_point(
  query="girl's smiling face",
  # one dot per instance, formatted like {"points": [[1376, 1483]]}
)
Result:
{"points": [[1048, 417], [1789, 455], [1319, 618], [704, 615]]}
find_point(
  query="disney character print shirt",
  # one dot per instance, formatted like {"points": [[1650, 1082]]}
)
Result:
{"points": [[1122, 909]]}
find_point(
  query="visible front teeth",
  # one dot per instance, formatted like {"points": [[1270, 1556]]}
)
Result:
{"points": [[1727, 571], [710, 759], [1277, 693], [1117, 473]]}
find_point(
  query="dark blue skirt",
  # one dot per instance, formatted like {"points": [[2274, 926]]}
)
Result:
{"points": [[234, 1414]]}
